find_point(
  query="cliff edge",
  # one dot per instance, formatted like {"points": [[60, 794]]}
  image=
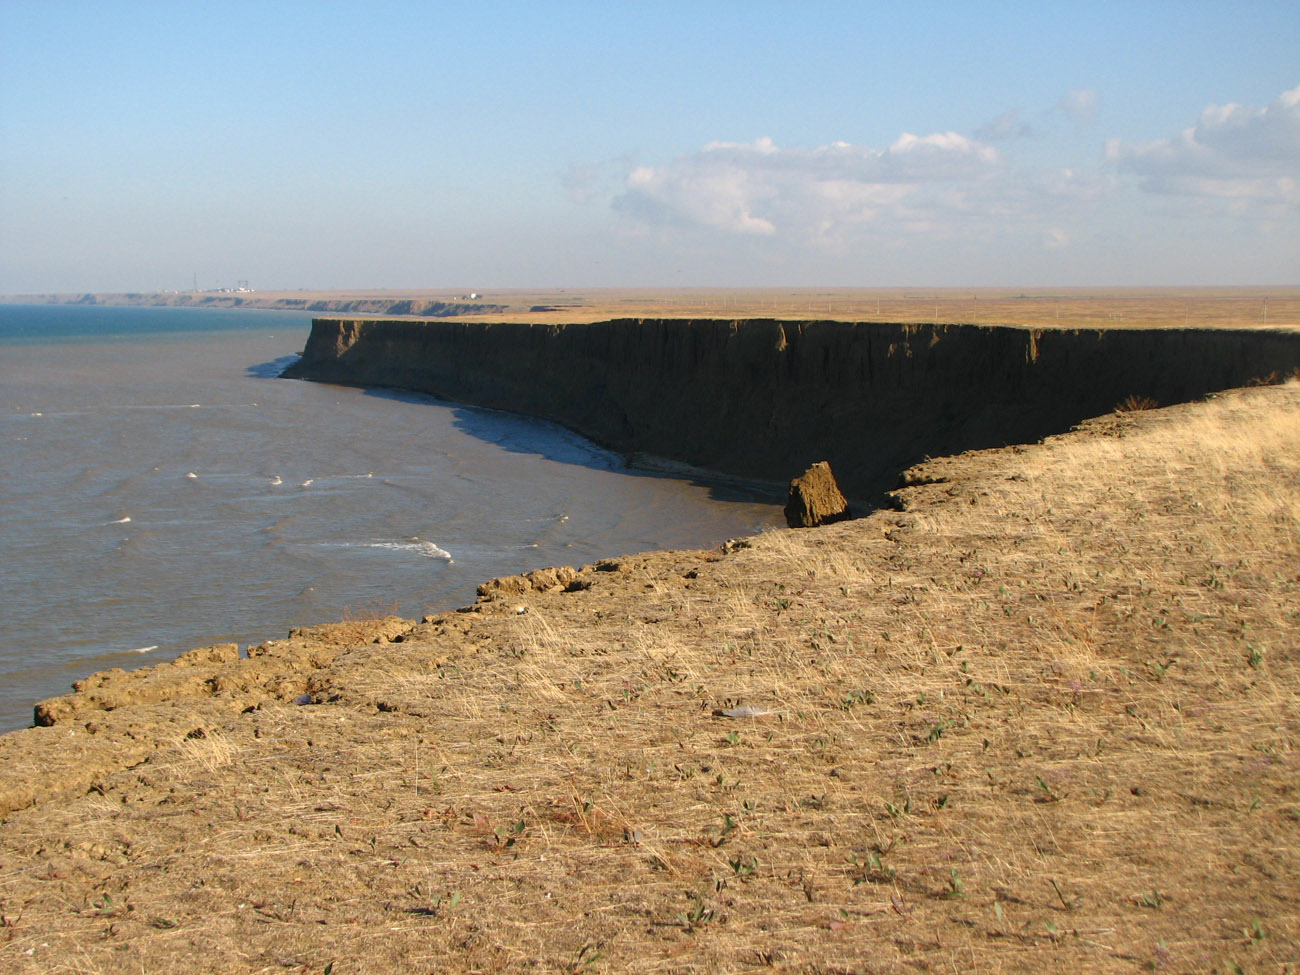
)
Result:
{"points": [[762, 398]]}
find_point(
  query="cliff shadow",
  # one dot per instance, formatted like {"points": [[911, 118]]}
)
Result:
{"points": [[519, 433], [273, 369]]}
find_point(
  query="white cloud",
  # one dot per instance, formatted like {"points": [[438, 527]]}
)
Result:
{"points": [[585, 183], [946, 206], [1079, 104], [1008, 125], [1233, 152], [821, 193]]}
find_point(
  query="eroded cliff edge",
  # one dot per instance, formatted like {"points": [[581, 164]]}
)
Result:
{"points": [[763, 398]]}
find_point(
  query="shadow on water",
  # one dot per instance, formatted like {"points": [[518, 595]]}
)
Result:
{"points": [[522, 434], [272, 369]]}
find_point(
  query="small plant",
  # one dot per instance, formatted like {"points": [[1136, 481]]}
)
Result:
{"points": [[956, 888], [1153, 900], [724, 831], [105, 907], [853, 698], [1134, 403], [697, 915], [504, 837], [872, 870], [743, 866], [1255, 930], [1160, 669], [1255, 657], [583, 959], [937, 731], [1048, 794], [897, 812]]}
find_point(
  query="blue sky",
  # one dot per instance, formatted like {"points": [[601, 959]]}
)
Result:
{"points": [[495, 145]]}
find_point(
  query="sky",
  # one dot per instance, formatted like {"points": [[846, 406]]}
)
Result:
{"points": [[345, 145]]}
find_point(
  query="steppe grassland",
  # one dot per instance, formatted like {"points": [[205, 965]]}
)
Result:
{"points": [[1040, 308], [1048, 714], [1044, 717]]}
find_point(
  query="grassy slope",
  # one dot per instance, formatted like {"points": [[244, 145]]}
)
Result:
{"points": [[1044, 718]]}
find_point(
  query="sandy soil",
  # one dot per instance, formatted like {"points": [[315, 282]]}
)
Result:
{"points": [[1043, 717]]}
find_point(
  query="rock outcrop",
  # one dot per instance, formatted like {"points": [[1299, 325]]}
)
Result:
{"points": [[815, 499]]}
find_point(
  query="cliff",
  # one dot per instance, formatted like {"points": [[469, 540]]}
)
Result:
{"points": [[418, 305], [763, 398]]}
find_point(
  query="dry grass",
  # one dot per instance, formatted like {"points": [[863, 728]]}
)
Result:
{"points": [[1045, 718]]}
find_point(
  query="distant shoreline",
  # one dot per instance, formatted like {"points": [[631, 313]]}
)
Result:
{"points": [[1119, 307]]}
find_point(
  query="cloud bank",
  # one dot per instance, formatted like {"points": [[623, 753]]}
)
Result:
{"points": [[1233, 152], [935, 185], [948, 186]]}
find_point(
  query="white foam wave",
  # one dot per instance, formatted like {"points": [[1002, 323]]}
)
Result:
{"points": [[417, 545], [276, 480], [143, 649], [193, 475], [308, 482], [121, 521]]}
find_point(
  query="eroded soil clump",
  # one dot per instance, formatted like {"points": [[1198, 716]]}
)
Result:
{"points": [[1044, 716]]}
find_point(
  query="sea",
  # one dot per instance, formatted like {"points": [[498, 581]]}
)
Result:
{"points": [[161, 488]]}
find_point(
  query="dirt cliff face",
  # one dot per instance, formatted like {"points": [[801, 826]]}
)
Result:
{"points": [[764, 399]]}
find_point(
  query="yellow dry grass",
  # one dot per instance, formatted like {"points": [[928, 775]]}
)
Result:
{"points": [[1043, 718]]}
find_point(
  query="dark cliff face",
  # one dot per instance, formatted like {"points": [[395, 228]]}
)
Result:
{"points": [[764, 399]]}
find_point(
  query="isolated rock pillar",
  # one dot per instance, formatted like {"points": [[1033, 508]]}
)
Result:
{"points": [[815, 499]]}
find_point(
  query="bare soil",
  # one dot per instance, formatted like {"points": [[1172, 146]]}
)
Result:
{"points": [[1044, 717]]}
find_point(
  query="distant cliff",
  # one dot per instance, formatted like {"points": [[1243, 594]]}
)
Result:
{"points": [[763, 398], [424, 307]]}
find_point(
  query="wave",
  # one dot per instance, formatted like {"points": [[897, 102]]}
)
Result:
{"points": [[420, 547], [336, 477], [85, 663]]}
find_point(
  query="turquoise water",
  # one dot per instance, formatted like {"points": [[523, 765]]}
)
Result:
{"points": [[161, 489]]}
